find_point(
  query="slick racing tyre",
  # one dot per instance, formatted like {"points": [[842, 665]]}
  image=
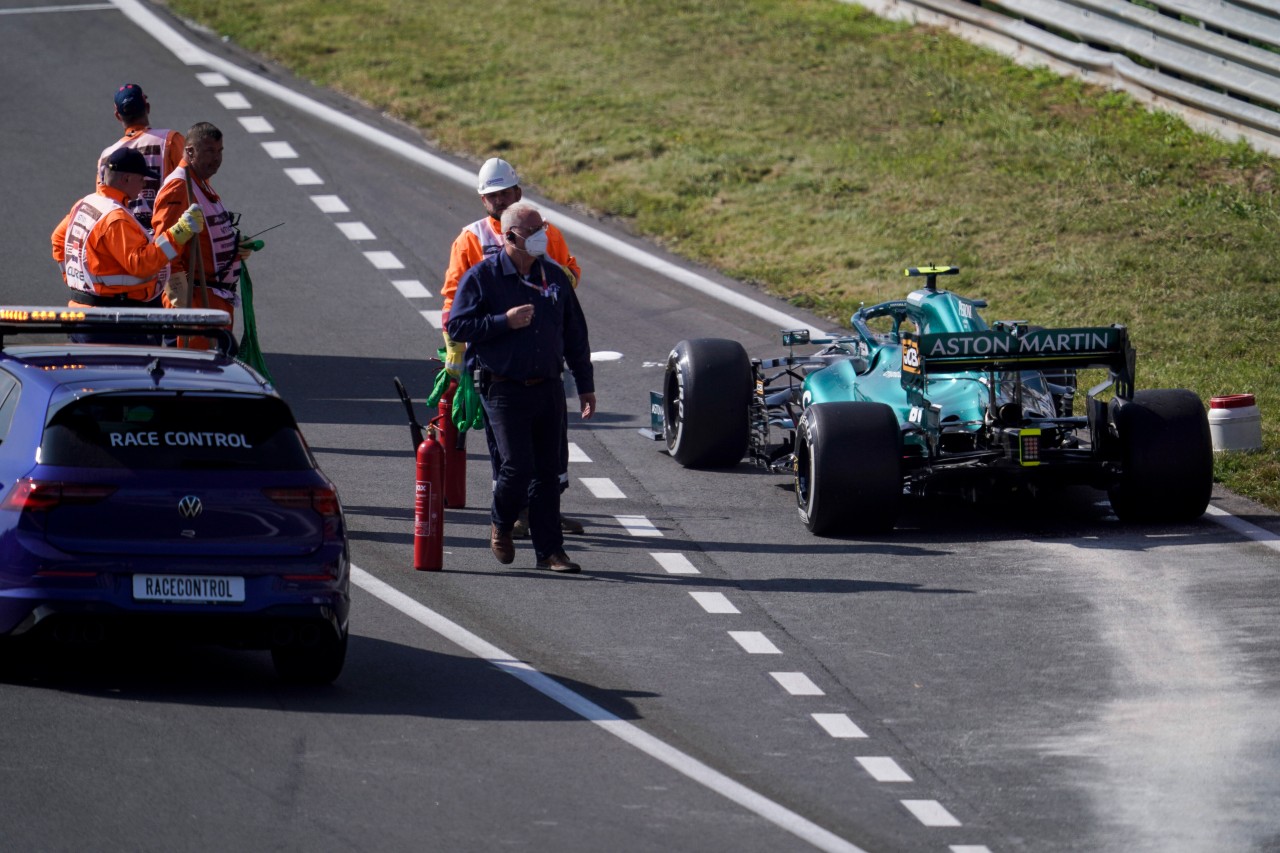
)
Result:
{"points": [[706, 400], [848, 473], [1166, 457]]}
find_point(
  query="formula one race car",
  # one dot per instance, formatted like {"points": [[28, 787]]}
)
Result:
{"points": [[933, 400]]}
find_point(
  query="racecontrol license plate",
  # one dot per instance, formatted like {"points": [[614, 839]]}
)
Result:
{"points": [[199, 588]]}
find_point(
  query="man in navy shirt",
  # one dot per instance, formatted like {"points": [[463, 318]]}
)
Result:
{"points": [[520, 318]]}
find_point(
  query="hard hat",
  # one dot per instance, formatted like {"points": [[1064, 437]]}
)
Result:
{"points": [[496, 174]]}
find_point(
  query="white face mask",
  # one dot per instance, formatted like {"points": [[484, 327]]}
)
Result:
{"points": [[536, 243]]}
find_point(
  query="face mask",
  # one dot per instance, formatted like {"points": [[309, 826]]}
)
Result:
{"points": [[536, 243]]}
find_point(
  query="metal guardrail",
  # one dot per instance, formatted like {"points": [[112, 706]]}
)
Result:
{"points": [[1214, 62]]}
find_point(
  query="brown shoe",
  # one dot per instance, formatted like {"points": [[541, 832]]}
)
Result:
{"points": [[571, 525], [559, 562], [501, 545]]}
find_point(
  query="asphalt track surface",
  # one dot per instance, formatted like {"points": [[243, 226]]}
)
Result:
{"points": [[1015, 676]]}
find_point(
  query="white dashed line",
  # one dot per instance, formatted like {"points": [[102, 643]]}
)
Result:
{"points": [[384, 260], [754, 642], [435, 318], [576, 454], [884, 769], [212, 78], [970, 848], [674, 564], [602, 487], [355, 231], [304, 177], [279, 151], [411, 288], [930, 813], [797, 684], [838, 725], [256, 124], [714, 602], [330, 204], [232, 100], [638, 525]]}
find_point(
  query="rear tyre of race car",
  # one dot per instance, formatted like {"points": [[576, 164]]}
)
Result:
{"points": [[848, 473], [313, 655], [1166, 457], [706, 400]]}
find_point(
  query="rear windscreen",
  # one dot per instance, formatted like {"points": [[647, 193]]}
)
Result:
{"points": [[175, 431]]}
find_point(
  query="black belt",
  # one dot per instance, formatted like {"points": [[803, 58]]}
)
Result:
{"points": [[121, 301]]}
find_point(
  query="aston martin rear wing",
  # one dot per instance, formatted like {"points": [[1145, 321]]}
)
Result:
{"points": [[1019, 347]]}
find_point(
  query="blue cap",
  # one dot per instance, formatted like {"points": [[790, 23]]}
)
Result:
{"points": [[130, 100]]}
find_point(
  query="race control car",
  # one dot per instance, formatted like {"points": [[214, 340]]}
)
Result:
{"points": [[925, 397], [161, 493]]}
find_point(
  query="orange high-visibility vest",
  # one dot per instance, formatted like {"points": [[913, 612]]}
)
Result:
{"points": [[105, 253]]}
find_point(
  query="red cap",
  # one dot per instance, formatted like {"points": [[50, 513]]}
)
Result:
{"points": [[1231, 401]]}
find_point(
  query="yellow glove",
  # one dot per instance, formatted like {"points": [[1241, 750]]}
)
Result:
{"points": [[191, 224], [454, 352]]}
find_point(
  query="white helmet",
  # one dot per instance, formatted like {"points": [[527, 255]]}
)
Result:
{"points": [[496, 174]]}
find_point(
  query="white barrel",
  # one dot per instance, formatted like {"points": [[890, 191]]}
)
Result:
{"points": [[1235, 423]]}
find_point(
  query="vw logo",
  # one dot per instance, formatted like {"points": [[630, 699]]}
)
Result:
{"points": [[190, 507]]}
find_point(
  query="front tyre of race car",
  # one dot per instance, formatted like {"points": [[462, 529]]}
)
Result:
{"points": [[1166, 457], [848, 473], [706, 399]]}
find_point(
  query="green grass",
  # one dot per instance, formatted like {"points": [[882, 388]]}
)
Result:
{"points": [[816, 150]]}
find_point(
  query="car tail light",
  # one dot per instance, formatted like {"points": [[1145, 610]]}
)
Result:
{"points": [[39, 496], [322, 499]]}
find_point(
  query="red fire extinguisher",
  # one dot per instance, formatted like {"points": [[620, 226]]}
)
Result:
{"points": [[455, 453], [428, 504]]}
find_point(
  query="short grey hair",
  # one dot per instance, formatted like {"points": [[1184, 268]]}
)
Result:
{"points": [[512, 213]]}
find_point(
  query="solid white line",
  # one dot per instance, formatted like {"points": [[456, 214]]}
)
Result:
{"points": [[411, 288], [232, 100], [576, 454], [930, 813], [1252, 531], [212, 78], [838, 725], [279, 151], [602, 487], [256, 124], [714, 602], [755, 643], [85, 7], [629, 733], [355, 231], [330, 204], [384, 260], [638, 525], [674, 564], [883, 768], [304, 177], [797, 684]]}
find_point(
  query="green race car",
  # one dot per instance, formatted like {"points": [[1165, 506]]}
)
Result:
{"points": [[925, 397]]}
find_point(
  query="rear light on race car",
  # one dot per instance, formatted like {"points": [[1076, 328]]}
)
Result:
{"points": [[1029, 447], [39, 496]]}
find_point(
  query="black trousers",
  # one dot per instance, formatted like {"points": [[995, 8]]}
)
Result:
{"points": [[527, 425]]}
